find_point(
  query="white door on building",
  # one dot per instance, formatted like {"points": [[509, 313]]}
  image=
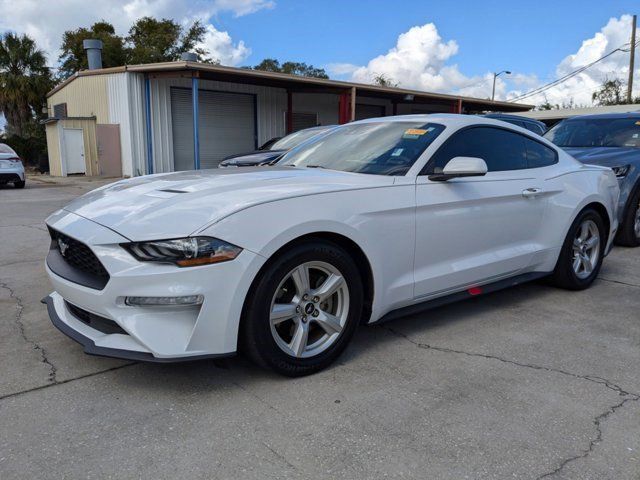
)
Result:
{"points": [[73, 150], [227, 126]]}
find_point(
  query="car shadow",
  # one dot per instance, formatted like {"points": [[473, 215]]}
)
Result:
{"points": [[238, 372]]}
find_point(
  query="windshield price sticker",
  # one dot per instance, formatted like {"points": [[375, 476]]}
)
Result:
{"points": [[414, 133]]}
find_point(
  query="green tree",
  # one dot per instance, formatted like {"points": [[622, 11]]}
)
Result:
{"points": [[25, 80], [151, 40], [610, 93], [547, 106], [384, 81], [292, 68], [73, 57]]}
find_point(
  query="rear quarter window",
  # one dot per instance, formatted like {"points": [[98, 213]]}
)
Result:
{"points": [[539, 155]]}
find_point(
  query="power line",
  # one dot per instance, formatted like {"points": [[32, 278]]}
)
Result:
{"points": [[566, 77]]}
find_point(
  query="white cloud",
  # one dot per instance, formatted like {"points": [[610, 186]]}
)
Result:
{"points": [[580, 88], [222, 48], [421, 60], [418, 60], [45, 21]]}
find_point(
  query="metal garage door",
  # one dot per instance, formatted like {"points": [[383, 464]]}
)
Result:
{"points": [[227, 126], [364, 110]]}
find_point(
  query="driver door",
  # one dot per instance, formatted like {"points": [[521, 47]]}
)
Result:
{"points": [[475, 230]]}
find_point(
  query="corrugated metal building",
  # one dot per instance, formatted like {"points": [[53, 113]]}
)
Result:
{"points": [[163, 117]]}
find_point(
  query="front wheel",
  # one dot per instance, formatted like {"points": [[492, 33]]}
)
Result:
{"points": [[582, 252], [303, 309], [19, 184]]}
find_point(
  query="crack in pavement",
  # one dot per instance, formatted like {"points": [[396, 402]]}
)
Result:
{"points": [[619, 282], [594, 441], [21, 328], [35, 226], [52, 378], [597, 421], [22, 262], [279, 456], [68, 380]]}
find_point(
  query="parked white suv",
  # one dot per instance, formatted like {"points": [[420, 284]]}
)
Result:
{"points": [[11, 168]]}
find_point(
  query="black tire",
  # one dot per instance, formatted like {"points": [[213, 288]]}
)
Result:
{"points": [[256, 338], [627, 236], [564, 275], [19, 184]]}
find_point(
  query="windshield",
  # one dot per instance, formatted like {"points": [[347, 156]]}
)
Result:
{"points": [[380, 148], [296, 138], [6, 149], [601, 132]]}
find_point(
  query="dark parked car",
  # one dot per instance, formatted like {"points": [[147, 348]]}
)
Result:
{"points": [[274, 150], [529, 123], [611, 140]]}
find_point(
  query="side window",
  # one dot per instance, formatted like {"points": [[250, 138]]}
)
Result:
{"points": [[500, 149], [539, 155], [535, 128]]}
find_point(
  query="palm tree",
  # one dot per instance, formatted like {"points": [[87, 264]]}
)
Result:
{"points": [[24, 81]]}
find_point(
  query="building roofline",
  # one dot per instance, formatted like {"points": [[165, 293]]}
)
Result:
{"points": [[151, 68], [572, 112]]}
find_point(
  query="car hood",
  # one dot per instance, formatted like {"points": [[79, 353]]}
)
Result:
{"points": [[178, 204], [605, 156], [252, 158]]}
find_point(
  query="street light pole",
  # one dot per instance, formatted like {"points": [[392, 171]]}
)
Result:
{"points": [[496, 75]]}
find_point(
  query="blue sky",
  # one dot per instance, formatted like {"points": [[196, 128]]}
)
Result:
{"points": [[444, 46], [524, 36]]}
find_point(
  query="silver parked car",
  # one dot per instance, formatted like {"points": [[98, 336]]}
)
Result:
{"points": [[11, 167]]}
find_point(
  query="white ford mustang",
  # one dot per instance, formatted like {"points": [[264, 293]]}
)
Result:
{"points": [[379, 218]]}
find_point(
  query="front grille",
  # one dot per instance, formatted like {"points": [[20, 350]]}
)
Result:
{"points": [[77, 254], [96, 322]]}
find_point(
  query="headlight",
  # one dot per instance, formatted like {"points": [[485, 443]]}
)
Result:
{"points": [[620, 171], [184, 252]]}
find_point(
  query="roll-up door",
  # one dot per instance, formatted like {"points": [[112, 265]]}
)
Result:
{"points": [[364, 110], [227, 126], [182, 126]]}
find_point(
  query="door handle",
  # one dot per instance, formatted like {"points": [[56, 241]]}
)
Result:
{"points": [[531, 192]]}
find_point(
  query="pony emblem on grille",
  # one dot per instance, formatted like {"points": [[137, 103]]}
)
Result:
{"points": [[63, 246]]}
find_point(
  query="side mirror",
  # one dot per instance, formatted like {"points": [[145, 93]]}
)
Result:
{"points": [[461, 167]]}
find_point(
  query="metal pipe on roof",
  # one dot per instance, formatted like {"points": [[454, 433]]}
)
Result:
{"points": [[93, 48]]}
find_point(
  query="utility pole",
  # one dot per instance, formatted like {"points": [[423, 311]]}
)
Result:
{"points": [[632, 54]]}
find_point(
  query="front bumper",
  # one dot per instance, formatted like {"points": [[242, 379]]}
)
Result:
{"points": [[159, 334], [120, 348]]}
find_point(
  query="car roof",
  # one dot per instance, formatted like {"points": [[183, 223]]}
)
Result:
{"points": [[317, 127], [606, 116], [447, 119], [511, 117]]}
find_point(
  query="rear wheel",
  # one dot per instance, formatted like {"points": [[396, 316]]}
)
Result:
{"points": [[19, 184], [581, 255], [629, 235], [303, 310]]}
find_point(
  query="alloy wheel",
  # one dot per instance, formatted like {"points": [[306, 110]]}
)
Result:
{"points": [[586, 249], [309, 309]]}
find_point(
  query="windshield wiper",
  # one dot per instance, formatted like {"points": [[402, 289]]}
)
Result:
{"points": [[316, 166]]}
